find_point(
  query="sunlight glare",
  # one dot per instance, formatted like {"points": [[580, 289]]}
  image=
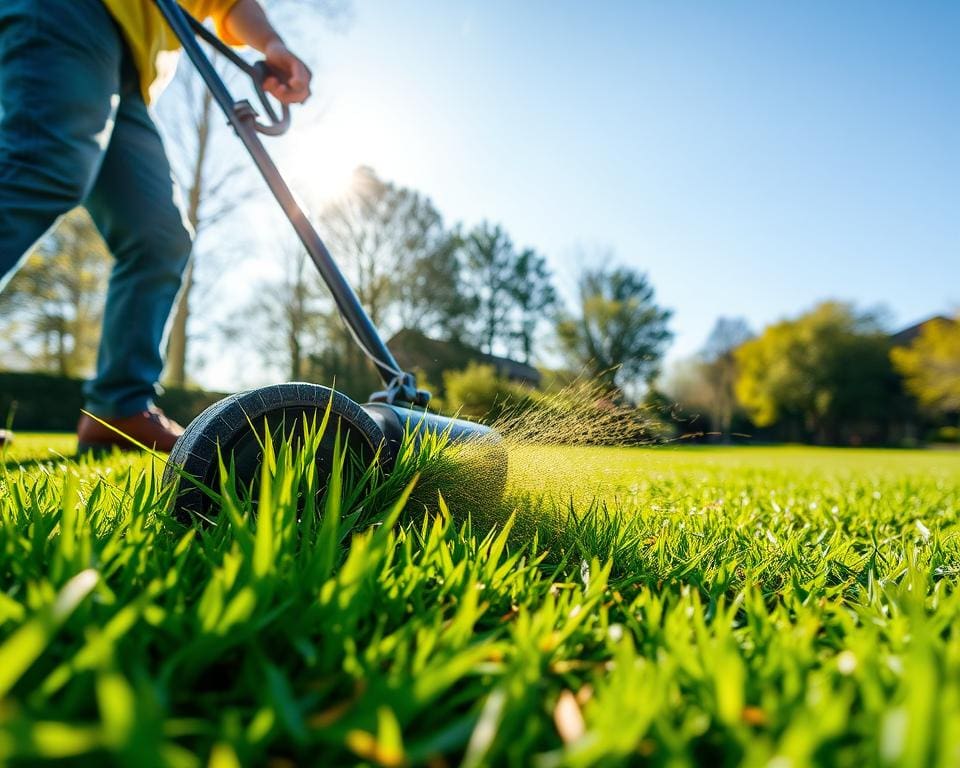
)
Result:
{"points": [[324, 175], [323, 162]]}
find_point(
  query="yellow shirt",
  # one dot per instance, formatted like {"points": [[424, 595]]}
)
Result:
{"points": [[153, 43]]}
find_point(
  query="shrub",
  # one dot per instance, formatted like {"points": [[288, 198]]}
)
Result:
{"points": [[477, 392], [947, 435]]}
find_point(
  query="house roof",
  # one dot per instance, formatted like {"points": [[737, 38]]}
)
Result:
{"points": [[512, 369], [905, 337]]}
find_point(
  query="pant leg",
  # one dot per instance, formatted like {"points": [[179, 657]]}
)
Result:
{"points": [[59, 82], [133, 203]]}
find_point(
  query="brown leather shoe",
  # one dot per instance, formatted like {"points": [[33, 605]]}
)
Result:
{"points": [[6, 437], [150, 427]]}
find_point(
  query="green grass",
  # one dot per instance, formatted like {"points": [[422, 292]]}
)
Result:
{"points": [[655, 606], [39, 446]]}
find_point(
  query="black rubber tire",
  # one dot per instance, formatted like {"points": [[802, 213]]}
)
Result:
{"points": [[227, 424]]}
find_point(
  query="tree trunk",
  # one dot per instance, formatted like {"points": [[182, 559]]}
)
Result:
{"points": [[176, 368], [63, 363], [296, 316], [491, 323], [176, 373], [296, 358]]}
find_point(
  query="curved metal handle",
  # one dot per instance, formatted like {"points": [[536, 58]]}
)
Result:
{"points": [[277, 126], [256, 72]]}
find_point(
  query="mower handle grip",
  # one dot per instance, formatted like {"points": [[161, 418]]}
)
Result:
{"points": [[278, 125], [257, 72]]}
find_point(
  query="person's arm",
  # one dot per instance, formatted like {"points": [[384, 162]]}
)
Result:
{"points": [[247, 22]]}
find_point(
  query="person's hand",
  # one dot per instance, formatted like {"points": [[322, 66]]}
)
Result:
{"points": [[293, 85]]}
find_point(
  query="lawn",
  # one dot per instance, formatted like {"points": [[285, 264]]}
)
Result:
{"points": [[758, 606]]}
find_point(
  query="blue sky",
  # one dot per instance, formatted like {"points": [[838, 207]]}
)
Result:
{"points": [[752, 157]]}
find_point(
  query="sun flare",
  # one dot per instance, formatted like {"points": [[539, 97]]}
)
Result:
{"points": [[323, 162], [322, 174]]}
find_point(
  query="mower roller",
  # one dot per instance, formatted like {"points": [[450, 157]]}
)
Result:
{"points": [[234, 427]]}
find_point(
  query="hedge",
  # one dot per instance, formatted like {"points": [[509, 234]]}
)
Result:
{"points": [[41, 402]]}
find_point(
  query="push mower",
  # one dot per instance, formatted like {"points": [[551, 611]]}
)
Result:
{"points": [[234, 427]]}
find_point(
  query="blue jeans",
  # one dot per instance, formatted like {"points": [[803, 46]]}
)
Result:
{"points": [[74, 130]]}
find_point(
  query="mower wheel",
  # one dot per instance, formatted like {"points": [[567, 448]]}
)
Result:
{"points": [[236, 426]]}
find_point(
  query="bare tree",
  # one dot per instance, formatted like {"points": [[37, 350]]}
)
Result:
{"points": [[401, 261], [215, 181], [286, 321], [719, 369], [364, 229], [400, 258], [214, 184]]}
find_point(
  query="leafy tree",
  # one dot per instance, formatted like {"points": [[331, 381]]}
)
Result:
{"points": [[825, 375], [490, 262], [930, 366], [53, 306], [619, 333], [510, 292], [533, 296]]}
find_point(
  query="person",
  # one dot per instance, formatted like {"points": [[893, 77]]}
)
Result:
{"points": [[76, 79]]}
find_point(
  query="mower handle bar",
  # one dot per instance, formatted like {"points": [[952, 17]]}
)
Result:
{"points": [[400, 386], [258, 72]]}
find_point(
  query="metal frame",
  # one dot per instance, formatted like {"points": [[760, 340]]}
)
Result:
{"points": [[400, 386]]}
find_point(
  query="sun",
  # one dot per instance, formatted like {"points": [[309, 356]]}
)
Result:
{"points": [[322, 162]]}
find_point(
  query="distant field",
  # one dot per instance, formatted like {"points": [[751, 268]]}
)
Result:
{"points": [[41, 445], [763, 606]]}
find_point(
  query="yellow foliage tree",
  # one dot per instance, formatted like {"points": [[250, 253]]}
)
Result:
{"points": [[930, 366], [826, 372]]}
